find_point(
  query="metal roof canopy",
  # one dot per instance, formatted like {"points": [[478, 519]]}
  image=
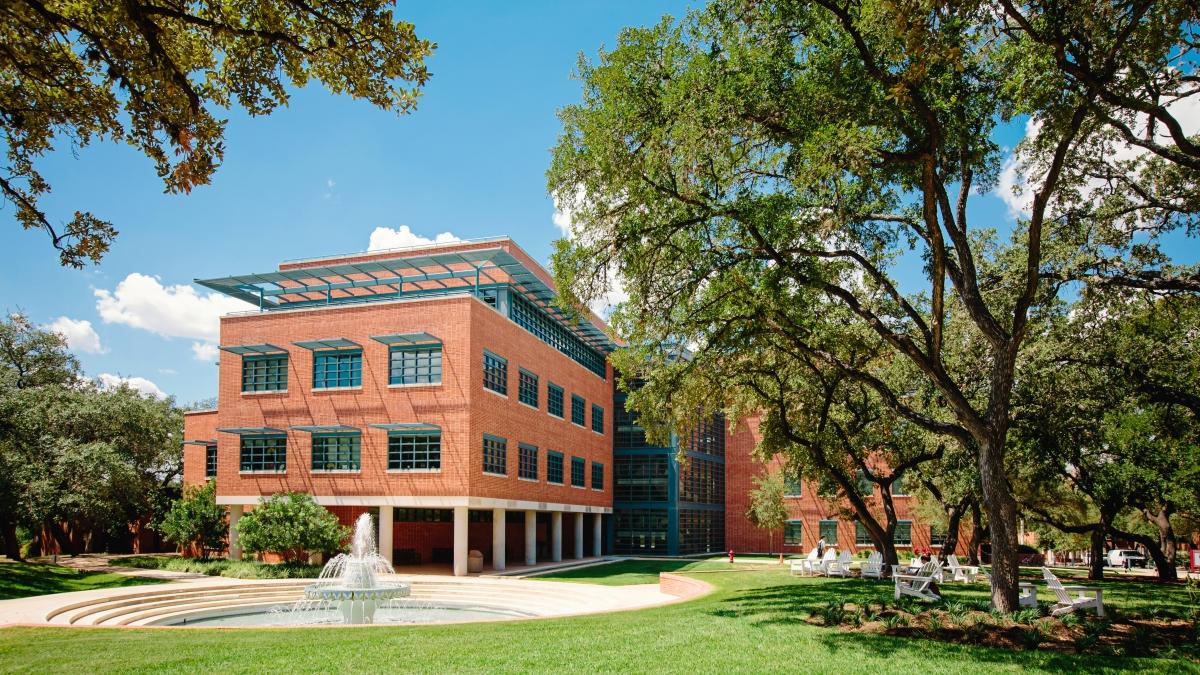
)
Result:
{"points": [[408, 339], [202, 442], [250, 431], [385, 279], [322, 429], [406, 426], [328, 343], [253, 350]]}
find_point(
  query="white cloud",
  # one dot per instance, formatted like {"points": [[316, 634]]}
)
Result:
{"points": [[204, 351], [142, 301], [383, 238], [79, 333], [140, 384], [168, 371], [564, 220]]}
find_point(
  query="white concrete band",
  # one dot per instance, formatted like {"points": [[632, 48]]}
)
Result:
{"points": [[429, 502]]}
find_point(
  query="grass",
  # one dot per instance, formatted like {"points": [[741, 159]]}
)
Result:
{"points": [[754, 622], [21, 580], [244, 569], [629, 572]]}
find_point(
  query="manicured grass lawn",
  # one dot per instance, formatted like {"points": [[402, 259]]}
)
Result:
{"points": [[753, 623], [629, 572], [19, 580]]}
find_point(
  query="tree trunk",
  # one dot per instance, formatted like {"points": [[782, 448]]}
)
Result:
{"points": [[1164, 566], [1002, 522], [12, 545], [976, 534], [1166, 536], [954, 516], [1096, 566]]}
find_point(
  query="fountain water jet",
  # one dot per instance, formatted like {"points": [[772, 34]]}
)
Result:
{"points": [[348, 581]]}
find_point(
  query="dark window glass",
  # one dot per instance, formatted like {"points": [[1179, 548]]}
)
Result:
{"points": [[903, 536], [337, 369], [527, 461], [410, 365], [709, 436], [898, 487], [554, 467], [578, 409], [406, 515], [210, 461], [546, 329], [495, 373], [628, 433], [865, 486], [414, 452], [792, 486], [640, 531], [829, 531], [264, 373], [554, 400], [701, 531], [597, 476], [495, 455], [702, 481], [577, 471], [792, 531], [861, 536], [597, 419], [936, 537], [264, 453], [527, 388], [341, 452], [640, 478]]}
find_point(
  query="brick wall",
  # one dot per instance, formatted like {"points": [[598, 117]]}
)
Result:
{"points": [[200, 425]]}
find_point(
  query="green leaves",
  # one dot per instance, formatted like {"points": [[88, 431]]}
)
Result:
{"points": [[291, 524]]}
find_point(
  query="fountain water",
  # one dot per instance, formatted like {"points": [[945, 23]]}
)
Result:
{"points": [[348, 582]]}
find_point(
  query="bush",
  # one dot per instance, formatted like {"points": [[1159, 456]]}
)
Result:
{"points": [[220, 567], [291, 524], [196, 521]]}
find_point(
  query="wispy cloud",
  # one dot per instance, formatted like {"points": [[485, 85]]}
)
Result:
{"points": [[80, 335], [383, 238]]}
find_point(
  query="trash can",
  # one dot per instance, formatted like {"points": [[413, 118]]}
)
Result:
{"points": [[474, 562]]}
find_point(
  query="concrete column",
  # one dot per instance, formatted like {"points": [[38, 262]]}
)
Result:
{"points": [[597, 538], [578, 536], [556, 536], [531, 537], [235, 548], [498, 539], [385, 533], [460, 541]]}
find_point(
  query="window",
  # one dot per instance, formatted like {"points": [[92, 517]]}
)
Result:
{"points": [[527, 388], [337, 369], [495, 455], [597, 419], [495, 373], [414, 451], [264, 453], [865, 487], [861, 536], [627, 432], [554, 400], [415, 365], [936, 537], [210, 461], [336, 452], [903, 536], [577, 409], [577, 471], [792, 530], [898, 487], [701, 531], [640, 478], [526, 461], [597, 476], [640, 530], [554, 467], [535, 320], [408, 515], [829, 530], [702, 481], [792, 486], [708, 436], [264, 373]]}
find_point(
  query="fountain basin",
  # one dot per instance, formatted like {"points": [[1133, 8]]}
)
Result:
{"points": [[356, 605]]}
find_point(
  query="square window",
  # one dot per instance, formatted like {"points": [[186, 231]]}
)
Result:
{"points": [[337, 369], [577, 471], [527, 388], [527, 461], [495, 373], [829, 531], [264, 453], [336, 452], [264, 373], [414, 451], [554, 400], [554, 467], [577, 409], [903, 536], [597, 476], [495, 455], [792, 486], [792, 532], [597, 419], [936, 537], [415, 365], [861, 536]]}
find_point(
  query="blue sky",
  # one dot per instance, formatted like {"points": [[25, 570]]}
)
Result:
{"points": [[317, 178]]}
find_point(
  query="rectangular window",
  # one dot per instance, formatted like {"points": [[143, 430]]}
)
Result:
{"points": [[336, 452], [792, 531], [527, 388], [792, 486], [936, 537], [597, 419], [264, 453], [577, 471], [415, 365], [829, 530], [597, 476], [337, 369], [210, 461], [495, 373], [903, 536], [577, 409], [861, 537], [640, 478], [554, 400], [414, 452], [554, 467], [898, 487], [495, 455], [865, 487], [527, 461], [264, 373], [640, 531]]}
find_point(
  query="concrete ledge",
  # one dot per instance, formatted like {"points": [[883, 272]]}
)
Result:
{"points": [[681, 586]]}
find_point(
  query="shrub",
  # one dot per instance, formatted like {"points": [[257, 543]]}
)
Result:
{"points": [[833, 613], [291, 524], [196, 521]]}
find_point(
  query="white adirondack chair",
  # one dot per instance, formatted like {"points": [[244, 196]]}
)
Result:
{"points": [[823, 566], [873, 567], [1086, 596], [920, 584], [841, 566], [807, 565], [963, 573]]}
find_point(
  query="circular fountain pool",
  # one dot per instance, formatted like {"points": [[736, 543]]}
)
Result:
{"points": [[393, 614]]}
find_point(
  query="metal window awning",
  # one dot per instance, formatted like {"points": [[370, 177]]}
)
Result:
{"points": [[253, 350], [201, 442], [250, 431], [402, 339], [406, 426], [329, 343], [323, 429]]}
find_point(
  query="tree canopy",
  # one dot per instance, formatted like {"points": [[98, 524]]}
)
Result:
{"points": [[153, 73]]}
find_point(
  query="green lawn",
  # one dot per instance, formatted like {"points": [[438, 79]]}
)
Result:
{"points": [[753, 623], [19, 580]]}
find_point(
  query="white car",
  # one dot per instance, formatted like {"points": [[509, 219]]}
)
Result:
{"points": [[1121, 557]]}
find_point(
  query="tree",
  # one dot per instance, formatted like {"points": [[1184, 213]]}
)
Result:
{"points": [[768, 510], [196, 521], [151, 73], [768, 166], [291, 524]]}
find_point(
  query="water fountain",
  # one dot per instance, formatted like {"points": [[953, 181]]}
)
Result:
{"points": [[348, 582]]}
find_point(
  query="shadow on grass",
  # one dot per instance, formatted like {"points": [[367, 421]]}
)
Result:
{"points": [[20, 580]]}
